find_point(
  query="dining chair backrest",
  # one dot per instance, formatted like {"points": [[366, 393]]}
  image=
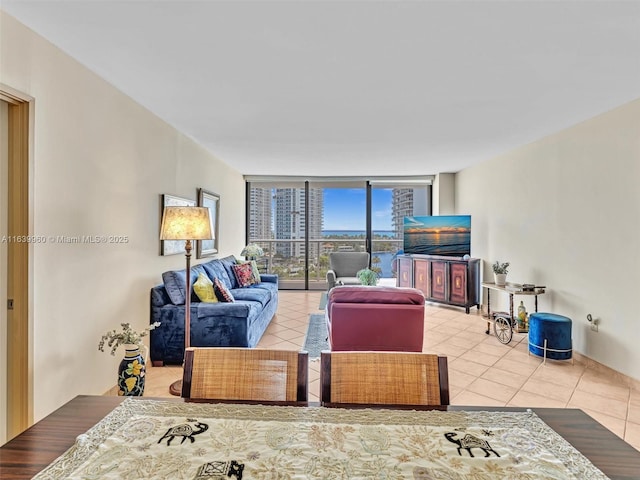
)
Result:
{"points": [[217, 373], [383, 378]]}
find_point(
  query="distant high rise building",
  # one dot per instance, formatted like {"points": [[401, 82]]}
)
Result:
{"points": [[290, 218], [260, 214], [402, 206]]}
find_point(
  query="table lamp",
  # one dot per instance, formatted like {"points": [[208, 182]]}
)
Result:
{"points": [[186, 223], [252, 251]]}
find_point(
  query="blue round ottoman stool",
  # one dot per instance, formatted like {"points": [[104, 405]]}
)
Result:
{"points": [[550, 336]]}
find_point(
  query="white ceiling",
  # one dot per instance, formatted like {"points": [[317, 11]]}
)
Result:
{"points": [[355, 87]]}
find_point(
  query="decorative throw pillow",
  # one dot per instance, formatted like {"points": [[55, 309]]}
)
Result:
{"points": [[204, 289], [254, 269], [256, 272], [244, 274], [223, 294]]}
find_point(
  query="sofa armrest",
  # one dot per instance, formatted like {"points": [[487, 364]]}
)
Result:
{"points": [[159, 297], [269, 277], [331, 279]]}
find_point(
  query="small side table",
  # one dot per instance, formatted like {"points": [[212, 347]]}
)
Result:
{"points": [[512, 289]]}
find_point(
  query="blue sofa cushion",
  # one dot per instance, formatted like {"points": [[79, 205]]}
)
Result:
{"points": [[260, 295], [228, 263], [175, 284], [270, 286], [214, 270]]}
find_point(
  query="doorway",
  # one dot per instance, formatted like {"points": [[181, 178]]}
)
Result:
{"points": [[4, 165], [16, 377]]}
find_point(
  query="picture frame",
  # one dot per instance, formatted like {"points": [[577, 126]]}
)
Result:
{"points": [[210, 200], [173, 247]]}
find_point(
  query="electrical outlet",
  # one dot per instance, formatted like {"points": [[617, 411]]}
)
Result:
{"points": [[593, 322]]}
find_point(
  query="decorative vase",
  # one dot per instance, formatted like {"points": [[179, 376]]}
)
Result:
{"points": [[501, 278], [131, 372]]}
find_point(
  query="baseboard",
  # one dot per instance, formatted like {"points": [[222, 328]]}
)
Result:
{"points": [[113, 391], [610, 372], [593, 364]]}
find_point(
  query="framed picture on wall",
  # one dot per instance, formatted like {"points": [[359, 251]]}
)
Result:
{"points": [[207, 248], [173, 247]]}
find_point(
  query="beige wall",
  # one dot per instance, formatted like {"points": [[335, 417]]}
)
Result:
{"points": [[565, 211], [444, 194], [101, 162]]}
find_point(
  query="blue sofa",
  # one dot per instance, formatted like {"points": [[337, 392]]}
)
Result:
{"points": [[237, 324]]}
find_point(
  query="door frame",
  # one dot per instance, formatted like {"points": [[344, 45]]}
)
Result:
{"points": [[19, 267]]}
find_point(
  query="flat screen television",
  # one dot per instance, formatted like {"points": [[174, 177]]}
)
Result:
{"points": [[448, 235]]}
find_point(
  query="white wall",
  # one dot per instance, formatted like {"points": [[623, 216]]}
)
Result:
{"points": [[101, 162], [565, 211]]}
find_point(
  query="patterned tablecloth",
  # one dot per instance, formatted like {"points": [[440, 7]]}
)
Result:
{"points": [[157, 439]]}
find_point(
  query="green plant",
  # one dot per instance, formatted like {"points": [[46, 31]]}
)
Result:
{"points": [[367, 276], [500, 267], [127, 337]]}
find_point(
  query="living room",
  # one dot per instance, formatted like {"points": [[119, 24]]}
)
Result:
{"points": [[563, 208]]}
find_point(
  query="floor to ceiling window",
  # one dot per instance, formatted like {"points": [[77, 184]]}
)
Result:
{"points": [[391, 202], [344, 226], [298, 223]]}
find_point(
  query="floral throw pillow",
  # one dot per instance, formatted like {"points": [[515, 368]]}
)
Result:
{"points": [[204, 289], [244, 274], [223, 294]]}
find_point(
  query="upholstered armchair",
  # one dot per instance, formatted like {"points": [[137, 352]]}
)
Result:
{"points": [[343, 267]]}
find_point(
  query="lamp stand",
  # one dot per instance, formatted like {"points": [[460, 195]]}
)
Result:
{"points": [[176, 387]]}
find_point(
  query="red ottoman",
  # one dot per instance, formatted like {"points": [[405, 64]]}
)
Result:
{"points": [[375, 318]]}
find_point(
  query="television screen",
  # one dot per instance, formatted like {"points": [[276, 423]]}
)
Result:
{"points": [[448, 235]]}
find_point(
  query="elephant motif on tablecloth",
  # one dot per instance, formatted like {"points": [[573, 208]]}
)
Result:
{"points": [[470, 441], [185, 430], [220, 470]]}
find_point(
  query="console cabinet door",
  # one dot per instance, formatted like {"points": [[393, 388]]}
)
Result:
{"points": [[438, 280], [405, 271], [421, 275], [458, 287]]}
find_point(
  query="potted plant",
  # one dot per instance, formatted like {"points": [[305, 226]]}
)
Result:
{"points": [[500, 272], [128, 336], [132, 367], [367, 276]]}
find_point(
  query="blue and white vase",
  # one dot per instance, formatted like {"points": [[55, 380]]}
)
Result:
{"points": [[131, 372]]}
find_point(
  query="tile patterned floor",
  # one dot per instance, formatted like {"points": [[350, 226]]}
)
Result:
{"points": [[482, 371]]}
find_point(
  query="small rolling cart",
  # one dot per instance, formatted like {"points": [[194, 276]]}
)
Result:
{"points": [[504, 323]]}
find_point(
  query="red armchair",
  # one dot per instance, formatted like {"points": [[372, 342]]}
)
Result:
{"points": [[375, 318]]}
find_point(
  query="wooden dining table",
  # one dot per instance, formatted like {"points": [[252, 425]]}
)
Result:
{"points": [[34, 449]]}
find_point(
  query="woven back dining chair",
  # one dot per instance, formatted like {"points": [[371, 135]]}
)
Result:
{"points": [[216, 373], [383, 378]]}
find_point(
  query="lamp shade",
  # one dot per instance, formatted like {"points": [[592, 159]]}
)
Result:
{"points": [[252, 250], [186, 223]]}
